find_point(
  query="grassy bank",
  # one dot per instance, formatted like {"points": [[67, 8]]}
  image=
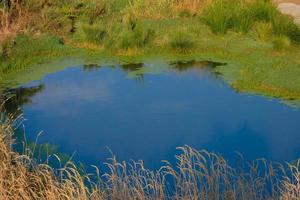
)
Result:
{"points": [[196, 175], [260, 45]]}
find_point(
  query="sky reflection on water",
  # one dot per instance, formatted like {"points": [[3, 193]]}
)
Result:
{"points": [[89, 108]]}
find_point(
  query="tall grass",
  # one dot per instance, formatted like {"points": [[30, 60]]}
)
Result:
{"points": [[162, 9], [222, 15], [196, 175], [218, 16], [94, 33], [284, 26], [136, 36], [25, 50], [263, 10], [241, 15]]}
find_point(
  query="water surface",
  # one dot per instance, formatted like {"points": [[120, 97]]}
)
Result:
{"points": [[144, 111]]}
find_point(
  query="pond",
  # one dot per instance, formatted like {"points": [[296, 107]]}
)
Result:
{"points": [[145, 110]]}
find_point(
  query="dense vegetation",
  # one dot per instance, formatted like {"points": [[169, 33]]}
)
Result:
{"points": [[196, 175]]}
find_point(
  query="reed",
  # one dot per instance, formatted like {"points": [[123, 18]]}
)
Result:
{"points": [[196, 175]]}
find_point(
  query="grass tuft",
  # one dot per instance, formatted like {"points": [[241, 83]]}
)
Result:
{"points": [[182, 42], [284, 25], [281, 43], [263, 10], [137, 37], [218, 16], [263, 31], [241, 16]]}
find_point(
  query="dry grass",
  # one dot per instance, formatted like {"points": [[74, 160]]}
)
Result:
{"points": [[197, 175], [13, 19], [163, 9], [291, 185], [22, 178], [195, 7]]}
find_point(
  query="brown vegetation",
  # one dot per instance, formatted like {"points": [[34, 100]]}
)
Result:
{"points": [[197, 175], [13, 19]]}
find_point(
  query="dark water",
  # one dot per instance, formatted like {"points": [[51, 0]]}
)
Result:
{"points": [[144, 111]]}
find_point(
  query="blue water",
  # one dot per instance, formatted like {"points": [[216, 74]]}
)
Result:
{"points": [[86, 110]]}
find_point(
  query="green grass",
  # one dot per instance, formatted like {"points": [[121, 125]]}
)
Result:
{"points": [[275, 73], [183, 42], [218, 16], [263, 10], [238, 15], [281, 43], [137, 36], [284, 26], [94, 33], [24, 50], [260, 45]]}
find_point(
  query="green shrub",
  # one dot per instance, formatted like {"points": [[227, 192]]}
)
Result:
{"points": [[182, 42]]}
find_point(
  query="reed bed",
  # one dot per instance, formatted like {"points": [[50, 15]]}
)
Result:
{"points": [[196, 175]]}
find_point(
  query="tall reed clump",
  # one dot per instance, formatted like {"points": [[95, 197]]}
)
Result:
{"points": [[242, 15], [196, 175], [218, 16], [222, 15]]}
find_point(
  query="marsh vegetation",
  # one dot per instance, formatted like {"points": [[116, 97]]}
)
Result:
{"points": [[196, 175]]}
